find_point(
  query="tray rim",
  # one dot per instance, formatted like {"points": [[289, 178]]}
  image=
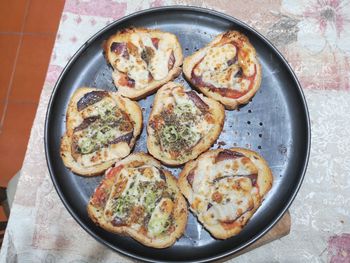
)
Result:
{"points": [[162, 9]]}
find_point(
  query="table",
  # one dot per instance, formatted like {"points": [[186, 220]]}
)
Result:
{"points": [[314, 36]]}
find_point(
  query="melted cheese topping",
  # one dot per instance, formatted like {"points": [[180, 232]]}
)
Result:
{"points": [[202, 127], [129, 191], [83, 137], [104, 155], [137, 69], [219, 192], [216, 70], [198, 126], [133, 178], [160, 216], [216, 59]]}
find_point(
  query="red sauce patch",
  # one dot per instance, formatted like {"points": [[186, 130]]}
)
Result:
{"points": [[124, 80], [114, 171], [100, 196], [155, 42]]}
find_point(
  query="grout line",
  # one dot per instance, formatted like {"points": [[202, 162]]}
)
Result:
{"points": [[28, 33], [9, 88], [16, 101]]}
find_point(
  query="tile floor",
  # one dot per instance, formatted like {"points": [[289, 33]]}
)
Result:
{"points": [[27, 34]]}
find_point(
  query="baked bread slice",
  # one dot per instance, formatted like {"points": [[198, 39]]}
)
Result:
{"points": [[227, 69], [224, 188], [182, 124], [143, 60], [101, 128], [140, 199]]}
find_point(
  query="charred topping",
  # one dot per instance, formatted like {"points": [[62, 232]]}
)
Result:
{"points": [[120, 49], [117, 221], [217, 179], [86, 123], [190, 177], [147, 54], [253, 178], [124, 138], [161, 174], [232, 61], [150, 77], [227, 154], [200, 104], [239, 73], [171, 60], [146, 219], [91, 98]]}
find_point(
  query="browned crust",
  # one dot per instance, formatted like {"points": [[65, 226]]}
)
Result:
{"points": [[218, 115], [264, 181], [172, 74], [229, 103], [180, 212], [73, 118]]}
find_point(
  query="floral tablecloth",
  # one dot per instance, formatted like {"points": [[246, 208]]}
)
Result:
{"points": [[313, 35]]}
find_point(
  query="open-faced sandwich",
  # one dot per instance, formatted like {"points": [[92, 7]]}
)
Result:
{"points": [[224, 188], [227, 69], [182, 124], [143, 60], [140, 199], [101, 128]]}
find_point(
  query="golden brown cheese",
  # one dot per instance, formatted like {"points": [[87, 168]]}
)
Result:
{"points": [[224, 188]]}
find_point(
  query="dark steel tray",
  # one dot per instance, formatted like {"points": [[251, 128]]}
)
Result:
{"points": [[275, 124]]}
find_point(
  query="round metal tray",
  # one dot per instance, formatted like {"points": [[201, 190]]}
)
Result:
{"points": [[275, 124]]}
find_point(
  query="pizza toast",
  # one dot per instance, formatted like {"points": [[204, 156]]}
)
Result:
{"points": [[140, 199], [143, 60], [101, 128]]}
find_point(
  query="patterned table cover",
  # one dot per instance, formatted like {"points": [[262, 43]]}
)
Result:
{"points": [[313, 35]]}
